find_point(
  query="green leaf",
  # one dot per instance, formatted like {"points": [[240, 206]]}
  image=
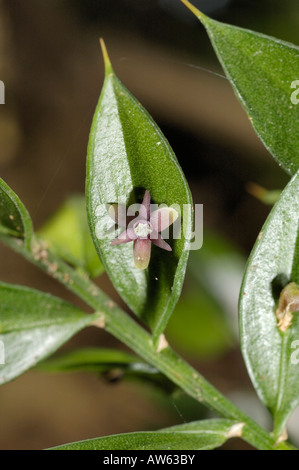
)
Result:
{"points": [[32, 326], [205, 320], [264, 73], [112, 364], [268, 351], [199, 435], [14, 218], [91, 360], [128, 154], [68, 234], [218, 268], [197, 327]]}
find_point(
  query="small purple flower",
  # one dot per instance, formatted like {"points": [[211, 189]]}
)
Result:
{"points": [[144, 230]]}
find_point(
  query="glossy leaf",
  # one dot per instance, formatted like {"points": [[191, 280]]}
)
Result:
{"points": [[68, 234], [269, 352], [14, 218], [199, 435], [264, 73], [32, 326], [112, 364], [128, 154]]}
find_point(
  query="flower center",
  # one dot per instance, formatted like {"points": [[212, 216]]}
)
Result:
{"points": [[142, 229]]}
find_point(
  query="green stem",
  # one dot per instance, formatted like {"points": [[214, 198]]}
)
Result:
{"points": [[123, 327], [280, 419]]}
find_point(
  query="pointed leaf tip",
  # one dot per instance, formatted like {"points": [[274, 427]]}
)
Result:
{"points": [[261, 70], [125, 141], [15, 220], [194, 10], [107, 62]]}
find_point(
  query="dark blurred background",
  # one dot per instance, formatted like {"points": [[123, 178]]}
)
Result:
{"points": [[52, 68]]}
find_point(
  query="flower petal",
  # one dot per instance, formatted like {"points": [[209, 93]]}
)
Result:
{"points": [[162, 218], [158, 241], [125, 237], [142, 252], [144, 211]]}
